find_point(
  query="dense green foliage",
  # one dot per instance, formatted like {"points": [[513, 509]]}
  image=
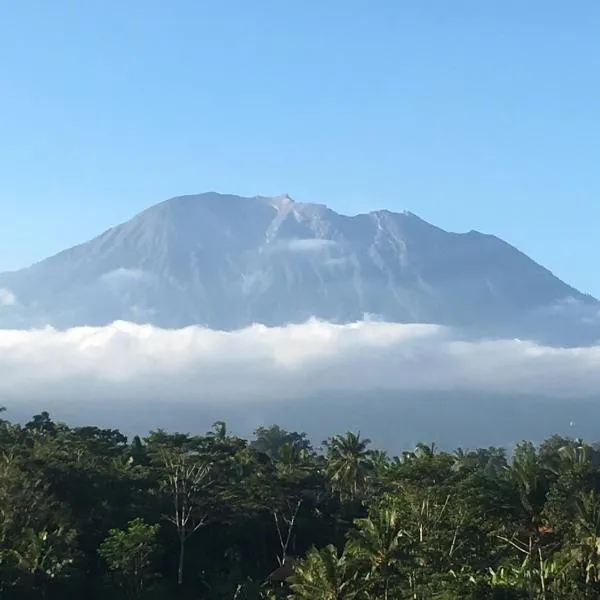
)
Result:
{"points": [[86, 514]]}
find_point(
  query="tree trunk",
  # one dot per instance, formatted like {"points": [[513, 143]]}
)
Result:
{"points": [[542, 575], [181, 557]]}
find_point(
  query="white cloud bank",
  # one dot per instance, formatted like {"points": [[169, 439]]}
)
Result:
{"points": [[124, 361]]}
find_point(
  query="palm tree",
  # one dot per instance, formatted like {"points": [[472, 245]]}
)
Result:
{"points": [[350, 464], [588, 523], [528, 473], [378, 540], [425, 451], [575, 457], [381, 461], [324, 575], [292, 460]]}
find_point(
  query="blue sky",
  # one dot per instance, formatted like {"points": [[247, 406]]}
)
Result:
{"points": [[474, 115]]}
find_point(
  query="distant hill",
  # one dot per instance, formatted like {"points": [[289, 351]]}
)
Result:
{"points": [[226, 261]]}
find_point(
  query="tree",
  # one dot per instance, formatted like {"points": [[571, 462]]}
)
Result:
{"points": [[432, 525], [379, 541], [286, 487], [271, 440], [37, 540], [530, 476], [137, 451], [186, 479], [324, 575], [219, 430], [587, 550], [350, 465], [528, 472], [41, 425], [129, 554], [43, 557]]}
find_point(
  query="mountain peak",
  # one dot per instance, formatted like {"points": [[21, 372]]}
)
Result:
{"points": [[281, 202], [227, 261]]}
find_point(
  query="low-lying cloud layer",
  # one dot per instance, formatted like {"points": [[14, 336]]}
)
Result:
{"points": [[316, 376], [128, 360]]}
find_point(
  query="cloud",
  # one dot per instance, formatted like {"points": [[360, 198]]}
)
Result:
{"points": [[303, 245], [128, 361], [398, 383], [586, 312], [7, 298], [123, 275]]}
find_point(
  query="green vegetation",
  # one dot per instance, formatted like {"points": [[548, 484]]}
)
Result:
{"points": [[86, 514]]}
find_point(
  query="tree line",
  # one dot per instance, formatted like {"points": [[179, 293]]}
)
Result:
{"points": [[87, 513]]}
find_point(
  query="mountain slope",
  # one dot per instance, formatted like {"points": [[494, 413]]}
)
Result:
{"points": [[226, 262]]}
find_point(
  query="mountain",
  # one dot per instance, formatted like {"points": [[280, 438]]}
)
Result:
{"points": [[226, 262]]}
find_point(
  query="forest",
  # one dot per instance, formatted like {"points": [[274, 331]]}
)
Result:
{"points": [[87, 513]]}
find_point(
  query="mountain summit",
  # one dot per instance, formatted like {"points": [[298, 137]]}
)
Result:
{"points": [[226, 262]]}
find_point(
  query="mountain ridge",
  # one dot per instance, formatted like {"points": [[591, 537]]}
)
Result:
{"points": [[227, 261]]}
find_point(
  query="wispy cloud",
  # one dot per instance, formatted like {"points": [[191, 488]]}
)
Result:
{"points": [[7, 298], [123, 275], [302, 245]]}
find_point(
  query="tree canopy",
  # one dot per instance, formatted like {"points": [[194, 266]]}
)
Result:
{"points": [[87, 513]]}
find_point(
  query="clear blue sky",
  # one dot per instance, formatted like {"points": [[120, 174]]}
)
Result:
{"points": [[473, 114]]}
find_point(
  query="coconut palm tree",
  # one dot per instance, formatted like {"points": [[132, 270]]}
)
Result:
{"points": [[350, 464], [528, 473], [588, 523], [325, 575], [378, 541]]}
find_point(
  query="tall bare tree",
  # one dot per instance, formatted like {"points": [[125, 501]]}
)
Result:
{"points": [[186, 478]]}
